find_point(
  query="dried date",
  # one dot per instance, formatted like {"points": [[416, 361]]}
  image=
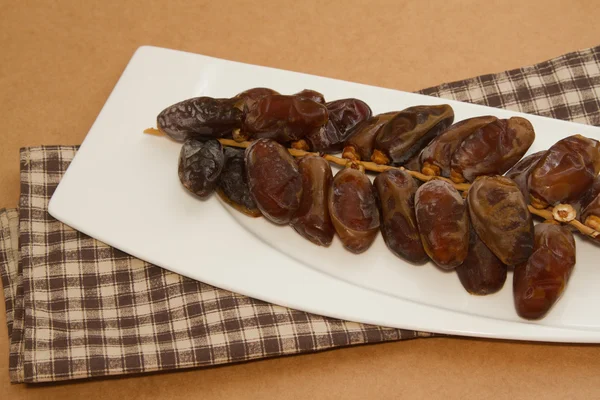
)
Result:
{"points": [[200, 165], [245, 99], [312, 95], [521, 171], [233, 184], [360, 145]]}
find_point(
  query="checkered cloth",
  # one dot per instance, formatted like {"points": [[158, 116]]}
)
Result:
{"points": [[77, 308]]}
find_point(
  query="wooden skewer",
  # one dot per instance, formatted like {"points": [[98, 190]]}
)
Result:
{"points": [[371, 166]]}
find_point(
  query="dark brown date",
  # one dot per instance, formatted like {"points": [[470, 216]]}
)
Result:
{"points": [[347, 115], [492, 149], [565, 171], [437, 155], [360, 145], [482, 272], [200, 118], [274, 180], [409, 131], [326, 139], [233, 184], [521, 171], [353, 209], [200, 165], [443, 223], [284, 118], [396, 191], [312, 95], [312, 220], [500, 216], [245, 99], [539, 282], [590, 214]]}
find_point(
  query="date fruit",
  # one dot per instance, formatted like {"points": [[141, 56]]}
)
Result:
{"points": [[500, 216], [274, 180], [312, 95], [521, 171], [312, 220], [396, 191], [539, 282], [409, 131], [347, 114], [233, 184], [200, 118], [565, 171], [590, 213], [353, 209], [245, 99], [492, 150], [200, 165], [482, 272], [284, 118], [326, 139], [360, 145], [443, 223], [436, 157]]}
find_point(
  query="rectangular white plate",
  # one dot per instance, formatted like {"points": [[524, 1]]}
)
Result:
{"points": [[122, 189]]}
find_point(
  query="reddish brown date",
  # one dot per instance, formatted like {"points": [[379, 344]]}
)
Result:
{"points": [[353, 209], [326, 139], [200, 118], [443, 223], [245, 99], [347, 114], [360, 145], [521, 171], [396, 191], [312, 95], [409, 131], [312, 220], [539, 282], [500, 216], [274, 180], [482, 272], [200, 165], [492, 150], [284, 118], [565, 171], [590, 213], [436, 157], [233, 183]]}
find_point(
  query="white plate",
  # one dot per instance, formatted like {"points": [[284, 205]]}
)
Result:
{"points": [[122, 189]]}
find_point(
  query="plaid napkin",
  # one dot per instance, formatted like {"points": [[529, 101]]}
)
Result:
{"points": [[77, 308]]}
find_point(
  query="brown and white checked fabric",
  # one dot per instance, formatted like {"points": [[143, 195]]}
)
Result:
{"points": [[77, 308]]}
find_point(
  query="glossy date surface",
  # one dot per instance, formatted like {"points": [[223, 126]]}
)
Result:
{"points": [[347, 114], [233, 183], [312, 95], [409, 131], [521, 171], [396, 191], [353, 209], [500, 216], [312, 220], [540, 281], [200, 165], [274, 180], [360, 145], [200, 118], [443, 223], [492, 149], [590, 206]]}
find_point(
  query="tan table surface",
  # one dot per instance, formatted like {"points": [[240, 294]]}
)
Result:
{"points": [[61, 59]]}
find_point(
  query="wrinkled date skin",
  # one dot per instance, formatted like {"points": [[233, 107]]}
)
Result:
{"points": [[500, 216], [312, 95], [274, 180], [521, 171], [245, 99], [443, 223], [436, 157], [233, 183], [284, 118], [312, 220], [353, 209], [396, 191], [482, 272], [408, 132], [200, 118], [326, 139], [539, 282], [565, 171], [360, 145], [492, 150], [590, 214], [347, 115], [200, 165]]}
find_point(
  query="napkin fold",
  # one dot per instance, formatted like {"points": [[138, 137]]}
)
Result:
{"points": [[78, 308]]}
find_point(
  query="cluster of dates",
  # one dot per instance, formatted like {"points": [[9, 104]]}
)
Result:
{"points": [[479, 234]]}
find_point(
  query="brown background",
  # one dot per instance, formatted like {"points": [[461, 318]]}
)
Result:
{"points": [[61, 59]]}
